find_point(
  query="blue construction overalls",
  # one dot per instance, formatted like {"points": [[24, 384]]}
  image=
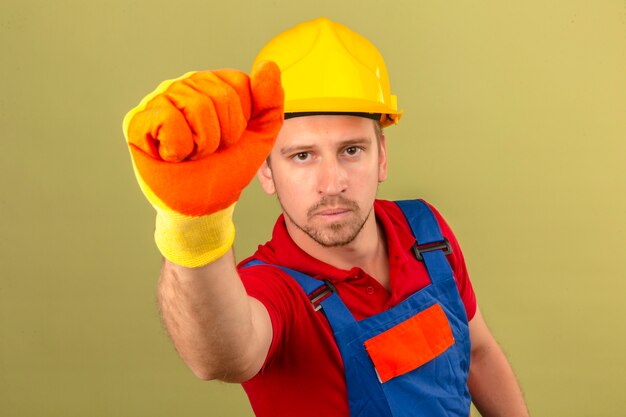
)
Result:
{"points": [[383, 380]]}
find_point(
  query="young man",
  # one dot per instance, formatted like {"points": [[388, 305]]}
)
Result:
{"points": [[342, 313]]}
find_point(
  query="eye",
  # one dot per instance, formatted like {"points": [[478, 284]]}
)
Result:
{"points": [[302, 156], [352, 150]]}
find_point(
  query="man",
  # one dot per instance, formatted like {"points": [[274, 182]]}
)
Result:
{"points": [[342, 313]]}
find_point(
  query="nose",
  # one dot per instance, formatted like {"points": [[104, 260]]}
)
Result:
{"points": [[332, 177]]}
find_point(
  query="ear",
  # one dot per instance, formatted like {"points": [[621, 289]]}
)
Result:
{"points": [[382, 159], [264, 174]]}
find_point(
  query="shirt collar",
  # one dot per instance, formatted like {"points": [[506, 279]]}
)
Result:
{"points": [[282, 250]]}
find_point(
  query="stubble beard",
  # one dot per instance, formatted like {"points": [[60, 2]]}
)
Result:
{"points": [[335, 234]]}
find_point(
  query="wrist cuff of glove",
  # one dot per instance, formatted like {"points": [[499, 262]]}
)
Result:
{"points": [[194, 241]]}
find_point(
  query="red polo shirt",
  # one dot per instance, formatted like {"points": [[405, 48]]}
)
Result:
{"points": [[303, 373]]}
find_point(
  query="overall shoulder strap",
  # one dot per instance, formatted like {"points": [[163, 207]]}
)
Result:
{"points": [[308, 284], [430, 246], [322, 295]]}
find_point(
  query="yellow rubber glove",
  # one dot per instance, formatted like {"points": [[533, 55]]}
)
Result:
{"points": [[196, 142]]}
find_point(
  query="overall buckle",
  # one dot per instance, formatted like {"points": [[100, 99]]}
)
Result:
{"points": [[322, 293], [430, 247]]}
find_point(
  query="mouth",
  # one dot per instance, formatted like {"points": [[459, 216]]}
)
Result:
{"points": [[332, 213], [333, 209]]}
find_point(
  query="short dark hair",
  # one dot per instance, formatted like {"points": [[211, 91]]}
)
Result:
{"points": [[378, 131]]}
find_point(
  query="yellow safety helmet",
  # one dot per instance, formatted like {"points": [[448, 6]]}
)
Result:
{"points": [[328, 68]]}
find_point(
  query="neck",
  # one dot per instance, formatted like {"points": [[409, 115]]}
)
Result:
{"points": [[367, 251]]}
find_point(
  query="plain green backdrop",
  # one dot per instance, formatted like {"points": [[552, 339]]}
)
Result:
{"points": [[514, 127]]}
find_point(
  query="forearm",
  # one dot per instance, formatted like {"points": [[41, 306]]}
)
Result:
{"points": [[492, 383], [217, 329]]}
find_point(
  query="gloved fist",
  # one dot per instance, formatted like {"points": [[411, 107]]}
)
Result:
{"points": [[196, 142]]}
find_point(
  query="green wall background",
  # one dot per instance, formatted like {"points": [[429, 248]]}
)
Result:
{"points": [[514, 127]]}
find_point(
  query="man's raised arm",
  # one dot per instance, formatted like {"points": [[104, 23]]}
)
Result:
{"points": [[196, 142]]}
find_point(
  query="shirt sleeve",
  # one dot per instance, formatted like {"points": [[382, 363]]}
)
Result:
{"points": [[281, 298]]}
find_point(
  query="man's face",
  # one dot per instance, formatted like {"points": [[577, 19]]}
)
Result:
{"points": [[325, 171]]}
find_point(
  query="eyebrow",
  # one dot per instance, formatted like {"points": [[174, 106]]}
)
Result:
{"points": [[289, 150], [295, 149]]}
